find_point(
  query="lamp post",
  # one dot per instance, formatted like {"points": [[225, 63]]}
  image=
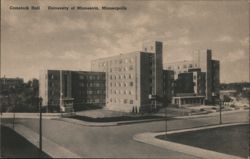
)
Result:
{"points": [[40, 123], [220, 110], [166, 123], [164, 101], [14, 115], [219, 100]]}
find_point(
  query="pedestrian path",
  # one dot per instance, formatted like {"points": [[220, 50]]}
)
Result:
{"points": [[51, 148]]}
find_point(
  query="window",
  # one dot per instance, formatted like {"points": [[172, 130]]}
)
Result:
{"points": [[130, 83], [82, 77], [125, 101], [152, 48], [110, 84], [190, 66], [194, 77], [131, 102], [184, 66], [131, 67], [129, 76]]}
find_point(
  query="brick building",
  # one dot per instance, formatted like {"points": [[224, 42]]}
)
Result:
{"points": [[65, 91]]}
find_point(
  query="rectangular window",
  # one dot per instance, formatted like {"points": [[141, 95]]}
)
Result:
{"points": [[131, 102], [125, 101], [130, 83], [131, 67]]}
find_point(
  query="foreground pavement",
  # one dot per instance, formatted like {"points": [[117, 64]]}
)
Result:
{"points": [[117, 141]]}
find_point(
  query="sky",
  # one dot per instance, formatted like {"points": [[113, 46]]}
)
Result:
{"points": [[57, 39]]}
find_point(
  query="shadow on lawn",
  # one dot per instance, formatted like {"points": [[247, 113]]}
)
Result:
{"points": [[116, 119], [15, 146]]}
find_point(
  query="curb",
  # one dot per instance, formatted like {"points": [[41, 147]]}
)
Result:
{"points": [[209, 115], [105, 124], [150, 138]]}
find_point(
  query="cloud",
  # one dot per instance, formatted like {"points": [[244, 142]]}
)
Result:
{"points": [[225, 38], [245, 42], [70, 55], [234, 56]]}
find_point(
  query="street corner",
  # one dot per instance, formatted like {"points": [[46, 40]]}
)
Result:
{"points": [[156, 139]]}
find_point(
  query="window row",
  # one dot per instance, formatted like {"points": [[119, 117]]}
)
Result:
{"points": [[128, 76], [125, 92], [119, 69], [92, 77], [121, 84], [183, 66], [90, 92], [92, 84], [121, 101]]}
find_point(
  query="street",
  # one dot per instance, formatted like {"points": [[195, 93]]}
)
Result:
{"points": [[117, 141]]}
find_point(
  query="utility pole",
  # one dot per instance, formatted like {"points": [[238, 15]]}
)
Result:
{"points": [[166, 116], [40, 124], [220, 111], [13, 122]]}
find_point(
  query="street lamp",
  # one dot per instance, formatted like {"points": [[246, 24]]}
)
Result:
{"points": [[220, 110], [163, 101], [166, 116], [219, 100], [40, 123]]}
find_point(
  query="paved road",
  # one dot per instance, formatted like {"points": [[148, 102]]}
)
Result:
{"points": [[116, 141]]}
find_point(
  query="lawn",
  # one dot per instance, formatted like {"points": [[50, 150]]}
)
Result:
{"points": [[233, 140], [15, 146], [115, 119]]}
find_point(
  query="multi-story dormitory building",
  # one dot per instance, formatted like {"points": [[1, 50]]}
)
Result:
{"points": [[124, 82], [67, 91], [196, 81], [131, 77]]}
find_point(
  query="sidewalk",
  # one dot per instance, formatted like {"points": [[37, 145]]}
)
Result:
{"points": [[150, 138], [210, 114], [51, 148], [31, 115], [105, 124]]}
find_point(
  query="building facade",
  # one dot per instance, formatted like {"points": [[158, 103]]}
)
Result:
{"points": [[209, 73], [168, 83], [132, 77], [66, 91]]}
